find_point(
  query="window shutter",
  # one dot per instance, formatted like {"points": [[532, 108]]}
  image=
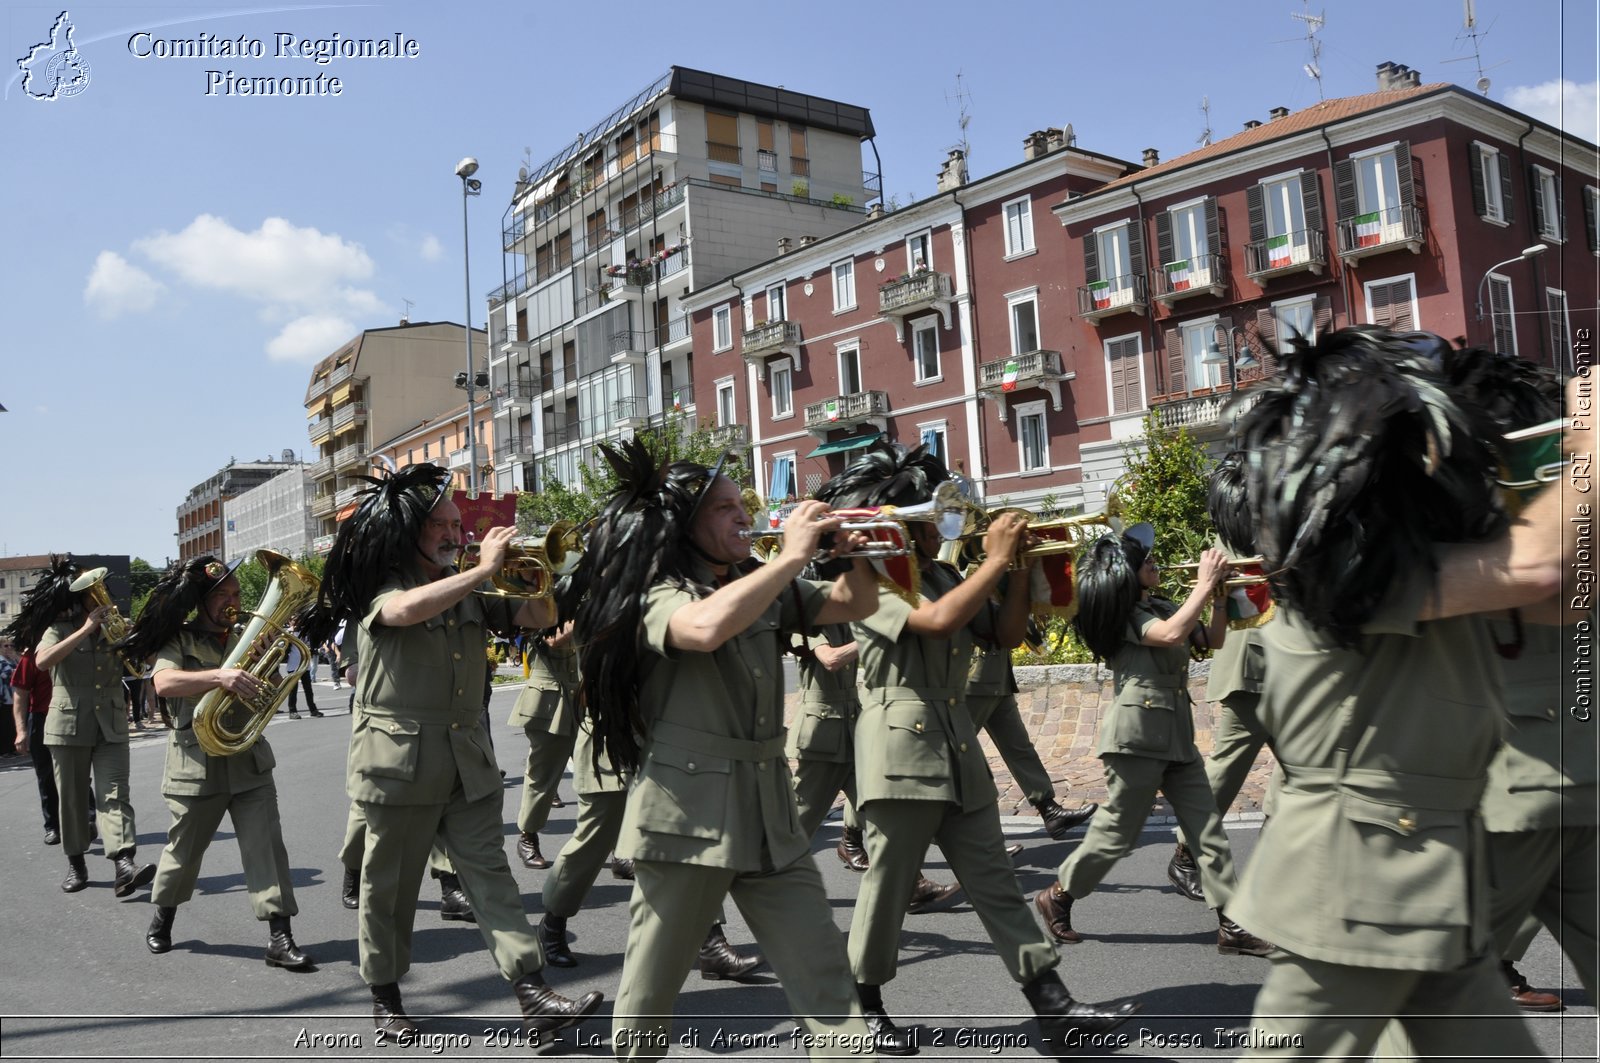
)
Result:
{"points": [[1504, 170], [1267, 333], [1091, 258], [1311, 200], [1256, 201], [1117, 368], [1561, 209], [1590, 196], [1175, 372], [1322, 315], [1213, 227], [1536, 199], [1402, 173], [1378, 296], [1164, 237], [1480, 199], [1136, 264], [1400, 306], [1344, 188]]}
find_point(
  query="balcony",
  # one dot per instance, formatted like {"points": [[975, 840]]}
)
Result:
{"points": [[465, 457], [348, 495], [1206, 416], [322, 544], [677, 331], [629, 347], [341, 373], [848, 411], [722, 152], [504, 339], [516, 397], [320, 469], [1106, 298], [319, 430], [912, 294], [323, 505], [1305, 249], [1033, 369], [658, 204], [1382, 230], [769, 338], [728, 436], [319, 387], [345, 416], [1199, 275], [352, 456], [628, 414], [519, 447]]}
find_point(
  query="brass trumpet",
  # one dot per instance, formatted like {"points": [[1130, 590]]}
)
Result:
{"points": [[533, 563], [1065, 535], [115, 625], [947, 510], [1232, 581]]}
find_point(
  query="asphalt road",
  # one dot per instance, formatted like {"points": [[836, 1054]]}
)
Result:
{"points": [[81, 984]]}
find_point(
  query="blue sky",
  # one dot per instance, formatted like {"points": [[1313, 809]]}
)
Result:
{"points": [[177, 260]]}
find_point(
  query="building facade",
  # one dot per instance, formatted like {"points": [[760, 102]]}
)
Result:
{"points": [[694, 178], [274, 516], [443, 441], [202, 528]]}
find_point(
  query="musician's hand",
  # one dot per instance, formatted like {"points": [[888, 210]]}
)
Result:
{"points": [[96, 618], [492, 550], [848, 544], [561, 637], [834, 658], [241, 683], [1004, 536], [804, 529], [1212, 570]]}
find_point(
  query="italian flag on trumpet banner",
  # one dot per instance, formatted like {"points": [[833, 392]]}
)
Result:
{"points": [[1250, 605], [1278, 251], [1100, 292], [1369, 229], [1178, 274], [1008, 377]]}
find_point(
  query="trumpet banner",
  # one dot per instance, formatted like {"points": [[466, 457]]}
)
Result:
{"points": [[899, 574], [480, 514], [1054, 588], [1249, 606]]}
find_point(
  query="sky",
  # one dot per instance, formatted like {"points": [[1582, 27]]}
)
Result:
{"points": [[180, 255]]}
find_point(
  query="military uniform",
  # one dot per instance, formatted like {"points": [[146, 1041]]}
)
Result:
{"points": [[1373, 874], [199, 789], [544, 710], [421, 769], [822, 739], [602, 797], [992, 704], [87, 732], [1146, 742], [1237, 737], [712, 813], [921, 776]]}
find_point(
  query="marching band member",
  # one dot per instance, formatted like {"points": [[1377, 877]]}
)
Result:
{"points": [[200, 788], [87, 726], [547, 711], [420, 765]]}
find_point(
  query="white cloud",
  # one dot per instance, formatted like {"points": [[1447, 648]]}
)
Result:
{"points": [[1563, 103], [432, 250], [117, 287], [306, 280]]}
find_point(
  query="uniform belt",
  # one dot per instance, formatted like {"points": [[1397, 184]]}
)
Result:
{"points": [[1164, 682], [716, 745], [881, 695], [1390, 788]]}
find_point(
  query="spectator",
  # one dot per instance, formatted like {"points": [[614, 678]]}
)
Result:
{"points": [[291, 662], [13, 733]]}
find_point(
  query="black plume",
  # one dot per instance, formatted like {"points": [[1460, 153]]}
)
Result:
{"points": [[1228, 503], [887, 474], [1108, 589], [177, 594], [1512, 390], [50, 598], [1361, 458]]}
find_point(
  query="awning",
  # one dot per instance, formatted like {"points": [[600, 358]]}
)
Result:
{"points": [[839, 446]]}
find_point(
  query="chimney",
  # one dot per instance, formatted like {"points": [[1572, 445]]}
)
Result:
{"points": [[807, 241], [1034, 145], [1251, 123], [953, 174], [1054, 139], [1152, 157], [784, 245], [1277, 113], [875, 211], [1397, 76]]}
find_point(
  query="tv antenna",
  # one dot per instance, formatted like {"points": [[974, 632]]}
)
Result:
{"points": [[409, 304], [1314, 24], [1205, 109], [1471, 31], [961, 98]]}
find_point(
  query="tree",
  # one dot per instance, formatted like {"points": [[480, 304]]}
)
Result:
{"points": [[1166, 485], [252, 576], [141, 577]]}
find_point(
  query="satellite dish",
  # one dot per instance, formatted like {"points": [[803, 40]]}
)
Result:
{"points": [[522, 174], [1483, 85]]}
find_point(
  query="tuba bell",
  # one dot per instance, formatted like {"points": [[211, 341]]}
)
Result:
{"points": [[226, 724], [115, 626]]}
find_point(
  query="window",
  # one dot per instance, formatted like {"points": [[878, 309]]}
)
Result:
{"points": [[844, 285], [1294, 317], [919, 251], [722, 137], [936, 438], [782, 478], [1114, 263], [850, 370], [1188, 226], [776, 307], [1391, 303], [1376, 196], [1491, 183], [1502, 315], [1123, 363], [1199, 338], [725, 410], [1549, 215], [1591, 217], [782, 385], [1024, 324], [925, 349], [424, 452], [1285, 214], [1560, 328], [1019, 227], [722, 328], [1377, 183], [1033, 443], [1285, 209]]}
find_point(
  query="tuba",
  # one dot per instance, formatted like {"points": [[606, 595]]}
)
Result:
{"points": [[114, 627], [224, 723]]}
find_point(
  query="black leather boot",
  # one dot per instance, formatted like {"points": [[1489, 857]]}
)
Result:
{"points": [[1184, 873], [852, 853], [528, 850], [719, 960], [453, 904], [887, 1038], [350, 892], [281, 949], [1058, 820], [1055, 908], [1235, 940], [159, 937], [129, 877], [77, 875], [544, 1011], [553, 940], [622, 869], [388, 1014], [928, 896], [1060, 1016]]}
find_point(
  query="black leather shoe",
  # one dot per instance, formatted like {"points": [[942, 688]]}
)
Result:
{"points": [[887, 1038], [1014, 850], [318, 712], [1058, 821], [545, 1011], [130, 878], [928, 896], [52, 837], [453, 904], [852, 853], [622, 869], [1184, 873], [1235, 940], [388, 1014], [719, 960], [552, 933], [1062, 1018], [158, 938], [1054, 905], [77, 875], [281, 949], [350, 892], [528, 851]]}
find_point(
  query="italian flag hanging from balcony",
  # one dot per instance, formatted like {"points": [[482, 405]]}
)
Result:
{"points": [[1278, 251], [677, 402], [1369, 230], [833, 409], [1008, 378], [1178, 274], [1100, 292]]}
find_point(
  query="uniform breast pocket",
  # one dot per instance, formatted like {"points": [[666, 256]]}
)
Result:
{"points": [[262, 758], [385, 749], [1413, 864], [915, 744], [683, 792], [1144, 717], [537, 705], [186, 761], [821, 731]]}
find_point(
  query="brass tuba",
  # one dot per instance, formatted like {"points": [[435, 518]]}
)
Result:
{"points": [[224, 723], [115, 626]]}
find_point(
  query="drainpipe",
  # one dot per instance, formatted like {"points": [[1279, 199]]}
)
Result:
{"points": [[1150, 318], [1533, 234], [1338, 260]]}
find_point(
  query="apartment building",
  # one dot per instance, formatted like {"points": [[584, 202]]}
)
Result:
{"points": [[693, 178], [443, 441], [202, 528], [273, 516]]}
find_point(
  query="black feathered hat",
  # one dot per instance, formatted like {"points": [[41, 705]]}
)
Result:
{"points": [[177, 594], [1362, 457], [1228, 504], [1514, 391], [888, 474], [50, 598], [1108, 589]]}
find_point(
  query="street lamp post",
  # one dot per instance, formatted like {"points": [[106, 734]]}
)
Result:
{"points": [[1528, 253], [469, 187], [1217, 354]]}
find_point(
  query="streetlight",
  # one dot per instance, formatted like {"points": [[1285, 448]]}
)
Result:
{"points": [[469, 187], [1217, 354], [1527, 253]]}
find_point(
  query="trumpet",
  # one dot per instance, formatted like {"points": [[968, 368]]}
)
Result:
{"points": [[1232, 562], [1066, 535], [948, 510], [1231, 582], [115, 625], [533, 563]]}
